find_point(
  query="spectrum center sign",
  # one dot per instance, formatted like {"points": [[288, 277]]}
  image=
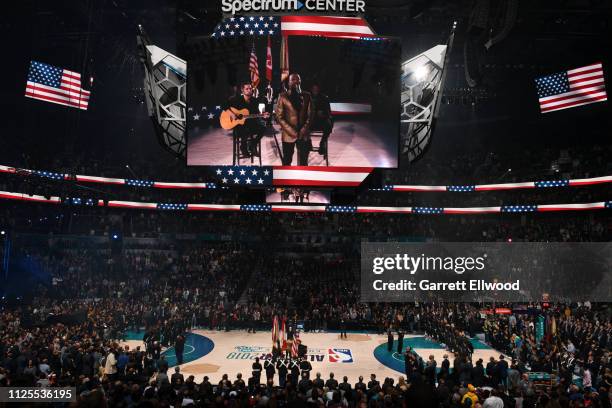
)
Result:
{"points": [[292, 6]]}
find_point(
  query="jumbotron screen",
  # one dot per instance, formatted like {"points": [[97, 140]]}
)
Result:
{"points": [[298, 195], [306, 101]]}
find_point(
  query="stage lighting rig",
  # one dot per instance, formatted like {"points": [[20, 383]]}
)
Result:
{"points": [[165, 84], [422, 79]]}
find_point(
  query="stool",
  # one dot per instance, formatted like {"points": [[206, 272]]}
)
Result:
{"points": [[237, 152], [319, 133]]}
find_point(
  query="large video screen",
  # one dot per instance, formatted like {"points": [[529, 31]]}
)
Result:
{"points": [[337, 103], [298, 195]]}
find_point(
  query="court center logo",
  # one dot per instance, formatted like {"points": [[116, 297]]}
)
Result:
{"points": [[314, 355], [340, 355]]}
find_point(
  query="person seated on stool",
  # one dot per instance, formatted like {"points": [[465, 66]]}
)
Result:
{"points": [[253, 130], [322, 116]]}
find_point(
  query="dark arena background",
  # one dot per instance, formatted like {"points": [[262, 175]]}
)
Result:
{"points": [[152, 258]]}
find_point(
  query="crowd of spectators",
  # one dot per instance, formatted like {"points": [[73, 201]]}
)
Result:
{"points": [[67, 330]]}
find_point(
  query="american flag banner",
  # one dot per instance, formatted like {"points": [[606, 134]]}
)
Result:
{"points": [[326, 26], [295, 345], [311, 174], [56, 85], [204, 115], [334, 209], [289, 175], [254, 68], [239, 26], [575, 87], [322, 26]]}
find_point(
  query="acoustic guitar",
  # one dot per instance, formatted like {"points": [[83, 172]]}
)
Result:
{"points": [[239, 117]]}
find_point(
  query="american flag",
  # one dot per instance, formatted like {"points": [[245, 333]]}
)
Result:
{"points": [[247, 26], [576, 87], [242, 175], [56, 85], [295, 345], [289, 176], [204, 115], [254, 68], [324, 26]]}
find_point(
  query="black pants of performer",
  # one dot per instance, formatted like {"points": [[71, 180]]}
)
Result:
{"points": [[249, 135], [303, 150], [257, 377], [251, 326], [179, 357]]}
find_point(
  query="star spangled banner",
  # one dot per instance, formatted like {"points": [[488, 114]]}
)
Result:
{"points": [[337, 209], [56, 85], [308, 173], [247, 26], [575, 87], [205, 115], [289, 176], [326, 26], [242, 175], [323, 26]]}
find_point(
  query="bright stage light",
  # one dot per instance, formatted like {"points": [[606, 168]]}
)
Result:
{"points": [[421, 73], [422, 78], [2, 232]]}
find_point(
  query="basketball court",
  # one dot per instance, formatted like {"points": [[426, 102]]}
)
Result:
{"points": [[214, 353]]}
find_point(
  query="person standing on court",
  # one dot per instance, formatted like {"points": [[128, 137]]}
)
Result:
{"points": [[389, 340], [306, 367], [400, 342], [281, 367], [257, 371], [295, 372], [179, 348], [408, 364], [269, 367], [343, 334]]}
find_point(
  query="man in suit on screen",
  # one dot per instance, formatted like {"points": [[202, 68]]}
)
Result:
{"points": [[294, 114]]}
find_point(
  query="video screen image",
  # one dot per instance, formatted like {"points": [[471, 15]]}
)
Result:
{"points": [[297, 195], [337, 103]]}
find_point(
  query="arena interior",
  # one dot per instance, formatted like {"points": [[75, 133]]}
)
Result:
{"points": [[136, 280]]}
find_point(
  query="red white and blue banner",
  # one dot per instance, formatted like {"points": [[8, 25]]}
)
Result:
{"points": [[296, 175], [338, 209], [56, 85], [572, 88], [321, 26]]}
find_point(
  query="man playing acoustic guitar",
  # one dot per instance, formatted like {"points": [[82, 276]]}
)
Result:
{"points": [[252, 131]]}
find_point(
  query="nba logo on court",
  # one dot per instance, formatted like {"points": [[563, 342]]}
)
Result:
{"points": [[340, 355]]}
